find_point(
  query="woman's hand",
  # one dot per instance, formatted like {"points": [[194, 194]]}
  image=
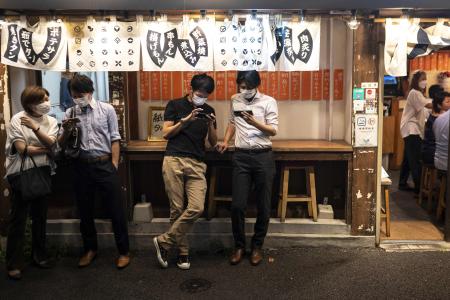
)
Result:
{"points": [[221, 147], [28, 122]]}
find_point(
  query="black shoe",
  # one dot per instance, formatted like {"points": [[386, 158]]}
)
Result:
{"points": [[43, 264], [405, 187], [161, 253], [183, 262], [14, 274]]}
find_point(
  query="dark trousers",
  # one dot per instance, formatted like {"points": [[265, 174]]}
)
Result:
{"points": [[257, 169], [102, 177], [411, 161], [16, 234]]}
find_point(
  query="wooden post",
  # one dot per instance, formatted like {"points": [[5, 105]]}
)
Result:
{"points": [[4, 115], [447, 201], [365, 69]]}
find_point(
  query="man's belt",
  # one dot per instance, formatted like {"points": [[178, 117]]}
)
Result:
{"points": [[253, 151], [91, 160]]}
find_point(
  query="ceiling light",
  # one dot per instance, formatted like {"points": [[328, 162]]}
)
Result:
{"points": [[353, 23]]}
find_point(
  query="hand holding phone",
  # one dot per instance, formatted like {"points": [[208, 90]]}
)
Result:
{"points": [[238, 113]]}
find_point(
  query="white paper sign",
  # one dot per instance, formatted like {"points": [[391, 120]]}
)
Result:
{"points": [[39, 47], [371, 94], [366, 127], [104, 46], [184, 46], [301, 46], [369, 85], [358, 105]]}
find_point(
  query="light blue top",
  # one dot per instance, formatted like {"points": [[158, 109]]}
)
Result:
{"points": [[99, 128], [440, 129]]}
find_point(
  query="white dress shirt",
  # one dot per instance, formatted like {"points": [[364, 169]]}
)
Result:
{"points": [[265, 110], [440, 129], [414, 114]]}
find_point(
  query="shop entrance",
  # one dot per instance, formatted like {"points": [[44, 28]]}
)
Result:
{"points": [[412, 218]]}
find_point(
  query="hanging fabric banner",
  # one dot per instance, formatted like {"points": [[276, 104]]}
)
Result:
{"points": [[243, 46], [39, 47], [300, 46], [184, 46], [104, 46], [407, 39]]}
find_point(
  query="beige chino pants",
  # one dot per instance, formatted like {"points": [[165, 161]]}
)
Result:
{"points": [[183, 175]]}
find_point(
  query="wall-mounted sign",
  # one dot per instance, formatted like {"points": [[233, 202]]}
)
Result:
{"points": [[358, 94], [366, 130], [371, 94]]}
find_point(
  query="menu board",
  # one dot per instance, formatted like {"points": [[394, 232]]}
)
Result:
{"points": [[317, 85], [284, 86], [221, 85], [295, 85], [281, 85], [144, 85], [305, 93], [155, 123]]}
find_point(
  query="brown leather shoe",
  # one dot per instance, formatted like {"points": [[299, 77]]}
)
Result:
{"points": [[123, 261], [87, 259], [237, 255], [256, 257]]}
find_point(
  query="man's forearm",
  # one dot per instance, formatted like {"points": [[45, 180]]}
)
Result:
{"points": [[115, 153], [231, 129]]}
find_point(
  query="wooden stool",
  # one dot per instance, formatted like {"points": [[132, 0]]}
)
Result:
{"points": [[285, 197], [386, 211], [441, 199], [212, 197], [427, 183]]}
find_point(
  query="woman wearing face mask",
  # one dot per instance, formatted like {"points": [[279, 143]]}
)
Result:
{"points": [[412, 130], [254, 120], [187, 123], [32, 132]]}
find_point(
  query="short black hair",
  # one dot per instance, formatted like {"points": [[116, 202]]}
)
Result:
{"points": [[80, 84], [202, 82], [438, 98], [250, 78], [434, 89]]}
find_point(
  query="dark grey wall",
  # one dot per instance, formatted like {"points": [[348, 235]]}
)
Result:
{"points": [[223, 4]]}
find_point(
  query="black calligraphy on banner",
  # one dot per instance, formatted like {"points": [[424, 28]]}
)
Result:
{"points": [[190, 55], [13, 46], [157, 53], [306, 46], [25, 38], [279, 38]]}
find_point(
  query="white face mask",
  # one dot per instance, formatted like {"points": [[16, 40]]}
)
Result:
{"points": [[42, 108], [423, 84], [248, 94], [82, 102], [198, 101]]}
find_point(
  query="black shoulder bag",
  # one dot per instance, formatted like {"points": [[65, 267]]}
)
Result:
{"points": [[32, 183]]}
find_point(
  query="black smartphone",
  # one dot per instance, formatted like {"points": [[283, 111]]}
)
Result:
{"points": [[202, 115], [74, 120], [238, 113]]}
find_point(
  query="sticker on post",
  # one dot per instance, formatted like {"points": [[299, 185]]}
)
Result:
{"points": [[371, 94], [369, 85], [358, 94], [366, 127]]}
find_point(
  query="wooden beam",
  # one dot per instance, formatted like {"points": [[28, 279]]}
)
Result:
{"points": [[364, 159], [4, 187]]}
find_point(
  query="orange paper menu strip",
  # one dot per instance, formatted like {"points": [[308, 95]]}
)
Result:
{"points": [[326, 84], [272, 88], [155, 86], [213, 94], [144, 85], [295, 85], [264, 82], [413, 64], [220, 85], [166, 85], [427, 63], [317, 85], [187, 77], [177, 84], [284, 86], [306, 86], [434, 64], [338, 84], [231, 84]]}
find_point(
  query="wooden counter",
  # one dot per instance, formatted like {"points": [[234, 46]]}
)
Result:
{"points": [[307, 151]]}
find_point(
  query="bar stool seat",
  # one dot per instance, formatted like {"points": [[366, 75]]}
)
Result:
{"points": [[212, 197], [386, 210], [427, 185], [441, 200], [285, 197]]}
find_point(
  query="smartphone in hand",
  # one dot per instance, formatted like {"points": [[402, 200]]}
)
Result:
{"points": [[238, 113]]}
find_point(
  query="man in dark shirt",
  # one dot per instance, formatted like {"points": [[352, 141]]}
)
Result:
{"points": [[187, 123]]}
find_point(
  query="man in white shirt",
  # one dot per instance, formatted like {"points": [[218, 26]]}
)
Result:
{"points": [[440, 129], [254, 119]]}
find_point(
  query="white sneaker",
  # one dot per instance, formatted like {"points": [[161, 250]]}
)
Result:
{"points": [[183, 262], [161, 253]]}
